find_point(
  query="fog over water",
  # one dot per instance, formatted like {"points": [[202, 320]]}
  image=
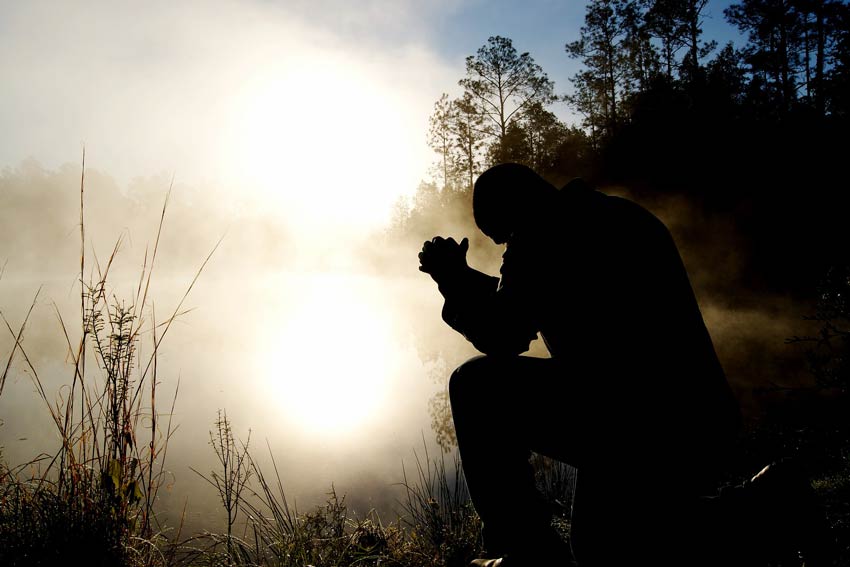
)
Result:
{"points": [[328, 353], [290, 142], [316, 355], [288, 135]]}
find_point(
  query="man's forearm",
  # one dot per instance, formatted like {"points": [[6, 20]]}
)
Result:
{"points": [[467, 283], [465, 292], [472, 308]]}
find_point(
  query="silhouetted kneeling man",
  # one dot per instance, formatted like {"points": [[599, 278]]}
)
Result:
{"points": [[633, 395]]}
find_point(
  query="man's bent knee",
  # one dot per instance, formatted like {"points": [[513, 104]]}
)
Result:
{"points": [[471, 377], [471, 390]]}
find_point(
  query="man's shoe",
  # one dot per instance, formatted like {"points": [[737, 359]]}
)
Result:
{"points": [[789, 514], [538, 560], [538, 547]]}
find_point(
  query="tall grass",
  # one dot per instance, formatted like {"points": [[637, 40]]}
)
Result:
{"points": [[273, 531], [443, 526], [93, 499], [556, 481], [231, 480], [437, 527]]}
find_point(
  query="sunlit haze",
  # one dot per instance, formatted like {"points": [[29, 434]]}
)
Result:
{"points": [[330, 362], [327, 143], [289, 131]]}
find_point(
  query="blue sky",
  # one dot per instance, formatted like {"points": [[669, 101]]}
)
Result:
{"points": [[541, 28]]}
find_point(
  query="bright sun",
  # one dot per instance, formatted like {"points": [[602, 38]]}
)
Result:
{"points": [[328, 146], [330, 362], [327, 142]]}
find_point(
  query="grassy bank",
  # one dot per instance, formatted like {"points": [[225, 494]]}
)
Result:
{"points": [[93, 501]]}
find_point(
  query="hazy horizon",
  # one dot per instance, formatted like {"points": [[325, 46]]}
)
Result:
{"points": [[290, 133]]}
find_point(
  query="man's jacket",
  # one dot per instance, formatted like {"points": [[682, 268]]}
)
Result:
{"points": [[601, 280]]}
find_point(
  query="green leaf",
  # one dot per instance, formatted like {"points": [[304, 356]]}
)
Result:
{"points": [[113, 471]]}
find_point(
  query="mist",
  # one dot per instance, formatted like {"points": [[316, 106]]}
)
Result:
{"points": [[253, 333], [266, 119], [277, 143], [233, 346], [749, 321]]}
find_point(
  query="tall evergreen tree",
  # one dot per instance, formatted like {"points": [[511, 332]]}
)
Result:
{"points": [[470, 131], [501, 84], [665, 21], [441, 137], [835, 84], [540, 141], [457, 135], [604, 47], [822, 23], [644, 61], [774, 31], [692, 19]]}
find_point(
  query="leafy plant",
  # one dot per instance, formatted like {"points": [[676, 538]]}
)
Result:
{"points": [[828, 354], [94, 498]]}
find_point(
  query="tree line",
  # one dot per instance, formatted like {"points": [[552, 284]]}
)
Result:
{"points": [[758, 131]]}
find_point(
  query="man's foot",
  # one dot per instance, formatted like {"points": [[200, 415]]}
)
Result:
{"points": [[789, 514], [555, 556], [508, 562]]}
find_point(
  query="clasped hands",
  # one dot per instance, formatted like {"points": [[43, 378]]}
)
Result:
{"points": [[443, 257]]}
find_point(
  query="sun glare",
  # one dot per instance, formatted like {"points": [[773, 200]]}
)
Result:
{"points": [[330, 361], [326, 142]]}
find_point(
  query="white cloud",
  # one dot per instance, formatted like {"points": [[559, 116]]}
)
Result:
{"points": [[158, 87]]}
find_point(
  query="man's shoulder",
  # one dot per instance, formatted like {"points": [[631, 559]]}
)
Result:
{"points": [[627, 214], [583, 197]]}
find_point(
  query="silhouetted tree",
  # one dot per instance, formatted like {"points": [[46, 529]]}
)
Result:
{"points": [[820, 25], [644, 62], [829, 353], [457, 134], [834, 87], [589, 100], [664, 20], [797, 52], [725, 81], [543, 135], [604, 49], [773, 50], [691, 13], [441, 137], [501, 84], [470, 136], [547, 145]]}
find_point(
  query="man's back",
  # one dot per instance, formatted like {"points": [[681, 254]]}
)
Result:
{"points": [[633, 396], [610, 296]]}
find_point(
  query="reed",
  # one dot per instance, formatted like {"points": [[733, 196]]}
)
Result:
{"points": [[93, 499]]}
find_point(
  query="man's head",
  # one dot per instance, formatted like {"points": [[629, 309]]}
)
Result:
{"points": [[508, 197]]}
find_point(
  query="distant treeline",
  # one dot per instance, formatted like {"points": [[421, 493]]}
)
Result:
{"points": [[759, 132]]}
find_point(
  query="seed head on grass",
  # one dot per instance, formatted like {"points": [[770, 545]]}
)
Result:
{"points": [[443, 526], [93, 499]]}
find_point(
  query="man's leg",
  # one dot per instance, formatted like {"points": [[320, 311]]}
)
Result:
{"points": [[503, 408], [622, 516]]}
